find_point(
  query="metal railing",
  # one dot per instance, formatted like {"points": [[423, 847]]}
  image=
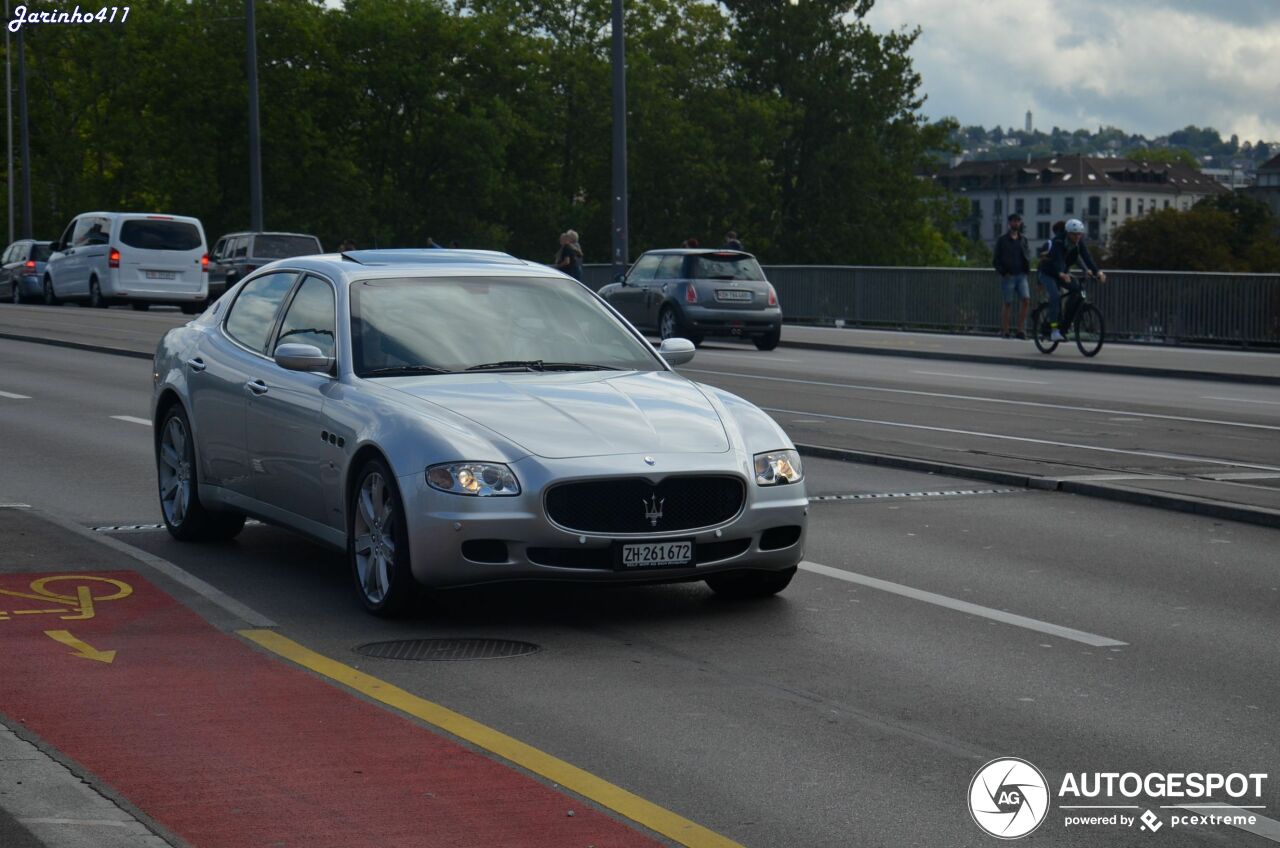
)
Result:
{"points": [[1156, 306]]}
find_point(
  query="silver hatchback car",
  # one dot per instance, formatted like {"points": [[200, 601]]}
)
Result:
{"points": [[460, 417]]}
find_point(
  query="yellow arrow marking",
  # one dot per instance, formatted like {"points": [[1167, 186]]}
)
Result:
{"points": [[79, 648]]}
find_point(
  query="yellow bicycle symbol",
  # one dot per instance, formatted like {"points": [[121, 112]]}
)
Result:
{"points": [[84, 591]]}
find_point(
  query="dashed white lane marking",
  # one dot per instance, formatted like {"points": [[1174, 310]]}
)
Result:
{"points": [[13, 396], [976, 377], [1241, 400], [132, 420], [964, 606], [977, 399], [1204, 460]]}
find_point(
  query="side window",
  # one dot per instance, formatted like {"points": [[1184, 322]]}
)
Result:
{"points": [[310, 318], [91, 230], [253, 314], [8, 254], [644, 268], [669, 268], [216, 253], [239, 247]]}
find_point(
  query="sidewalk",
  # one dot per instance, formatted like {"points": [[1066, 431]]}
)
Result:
{"points": [[1143, 360]]}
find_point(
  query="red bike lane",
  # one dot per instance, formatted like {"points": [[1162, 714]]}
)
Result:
{"points": [[224, 745]]}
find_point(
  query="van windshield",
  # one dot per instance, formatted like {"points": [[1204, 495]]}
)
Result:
{"points": [[282, 247], [152, 234]]}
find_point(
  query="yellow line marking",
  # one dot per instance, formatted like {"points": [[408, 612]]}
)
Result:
{"points": [[80, 648], [570, 777]]}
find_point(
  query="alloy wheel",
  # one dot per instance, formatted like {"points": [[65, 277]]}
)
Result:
{"points": [[374, 533], [175, 471]]}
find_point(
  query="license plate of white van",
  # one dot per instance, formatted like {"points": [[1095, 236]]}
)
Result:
{"points": [[160, 275]]}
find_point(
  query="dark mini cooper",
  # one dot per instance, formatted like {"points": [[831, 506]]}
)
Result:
{"points": [[693, 294]]}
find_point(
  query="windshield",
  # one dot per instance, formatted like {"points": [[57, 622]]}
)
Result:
{"points": [[282, 247], [726, 266], [501, 323], [155, 234]]}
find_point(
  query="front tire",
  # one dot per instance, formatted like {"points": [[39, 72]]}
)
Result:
{"points": [[50, 299], [750, 584], [1089, 329], [185, 517], [378, 542]]}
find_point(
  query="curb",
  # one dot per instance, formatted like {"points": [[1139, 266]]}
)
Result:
{"points": [[1046, 363], [115, 351], [1260, 516]]}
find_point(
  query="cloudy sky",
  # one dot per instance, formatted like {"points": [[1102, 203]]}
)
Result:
{"points": [[1146, 66]]}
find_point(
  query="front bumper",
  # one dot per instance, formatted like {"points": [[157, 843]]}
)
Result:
{"points": [[440, 524]]}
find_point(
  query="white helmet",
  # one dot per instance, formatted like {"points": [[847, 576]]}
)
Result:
{"points": [[1075, 225]]}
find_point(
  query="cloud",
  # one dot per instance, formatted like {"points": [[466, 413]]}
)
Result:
{"points": [[1145, 66]]}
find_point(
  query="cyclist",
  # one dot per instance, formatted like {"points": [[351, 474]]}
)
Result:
{"points": [[1054, 271]]}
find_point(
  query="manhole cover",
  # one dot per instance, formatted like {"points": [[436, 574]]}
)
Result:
{"points": [[447, 649]]}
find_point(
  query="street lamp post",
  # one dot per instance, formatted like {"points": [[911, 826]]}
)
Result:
{"points": [[28, 228], [620, 254], [8, 114], [255, 150]]}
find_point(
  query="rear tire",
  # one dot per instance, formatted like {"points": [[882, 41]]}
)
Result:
{"points": [[750, 584], [770, 340], [378, 543], [141, 307], [185, 517], [1040, 329], [95, 295], [50, 299], [1090, 329]]}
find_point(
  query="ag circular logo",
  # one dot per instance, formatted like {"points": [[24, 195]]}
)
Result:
{"points": [[1008, 798]]}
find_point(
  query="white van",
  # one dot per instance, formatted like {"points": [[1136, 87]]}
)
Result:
{"points": [[130, 257]]}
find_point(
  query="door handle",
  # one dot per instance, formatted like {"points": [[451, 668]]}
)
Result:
{"points": [[196, 364], [257, 387]]}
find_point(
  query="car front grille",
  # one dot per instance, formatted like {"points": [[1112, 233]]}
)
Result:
{"points": [[634, 505]]}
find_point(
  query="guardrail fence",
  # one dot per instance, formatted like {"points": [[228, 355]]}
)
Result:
{"points": [[1155, 306]]}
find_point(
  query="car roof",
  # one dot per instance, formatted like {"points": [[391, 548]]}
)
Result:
{"points": [[157, 215], [694, 251], [425, 262], [266, 233]]}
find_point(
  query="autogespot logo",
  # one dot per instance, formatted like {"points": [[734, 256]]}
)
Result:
{"points": [[1008, 798]]}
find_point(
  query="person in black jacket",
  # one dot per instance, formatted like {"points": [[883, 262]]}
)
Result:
{"points": [[1013, 263], [1054, 271]]}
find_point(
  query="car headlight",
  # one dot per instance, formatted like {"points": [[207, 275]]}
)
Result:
{"points": [[482, 479], [777, 468]]}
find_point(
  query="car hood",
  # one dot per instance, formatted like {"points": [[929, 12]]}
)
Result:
{"points": [[577, 414]]}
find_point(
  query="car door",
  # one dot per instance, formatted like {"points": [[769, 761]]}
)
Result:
{"points": [[628, 298], [64, 266], [91, 239], [663, 284], [6, 272], [219, 371], [287, 439], [217, 271]]}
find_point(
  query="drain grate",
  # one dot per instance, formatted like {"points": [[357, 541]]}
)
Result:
{"points": [[422, 650]]}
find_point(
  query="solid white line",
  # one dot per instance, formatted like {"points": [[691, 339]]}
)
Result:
{"points": [[1266, 828], [976, 377], [1053, 406], [1150, 454], [1241, 400], [12, 396], [963, 606], [144, 422], [86, 822]]}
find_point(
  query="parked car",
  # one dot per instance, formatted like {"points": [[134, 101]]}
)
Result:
{"points": [[128, 257], [456, 417], [22, 268], [693, 294], [239, 254]]}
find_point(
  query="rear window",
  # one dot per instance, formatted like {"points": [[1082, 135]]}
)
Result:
{"points": [[150, 234], [726, 266], [282, 247], [40, 252]]}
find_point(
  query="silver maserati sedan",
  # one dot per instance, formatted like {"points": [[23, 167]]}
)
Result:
{"points": [[450, 418]]}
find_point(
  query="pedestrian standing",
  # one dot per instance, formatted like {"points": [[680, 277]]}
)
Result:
{"points": [[569, 258], [1013, 262]]}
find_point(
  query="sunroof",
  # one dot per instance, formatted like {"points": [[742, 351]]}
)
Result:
{"points": [[415, 256]]}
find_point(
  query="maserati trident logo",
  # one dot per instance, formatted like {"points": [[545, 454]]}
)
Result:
{"points": [[648, 460], [653, 509]]}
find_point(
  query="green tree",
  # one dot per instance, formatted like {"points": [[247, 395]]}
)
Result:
{"points": [[1163, 156]]}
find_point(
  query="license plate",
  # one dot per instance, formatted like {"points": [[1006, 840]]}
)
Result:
{"points": [[733, 294], [633, 555], [160, 275]]}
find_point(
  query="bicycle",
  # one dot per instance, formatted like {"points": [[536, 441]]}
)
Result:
{"points": [[1087, 324]]}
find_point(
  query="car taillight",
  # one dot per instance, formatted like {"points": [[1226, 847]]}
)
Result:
{"points": [[31, 265], [690, 294], [773, 296], [113, 258], [204, 262]]}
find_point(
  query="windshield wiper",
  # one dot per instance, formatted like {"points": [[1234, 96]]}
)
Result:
{"points": [[509, 364], [577, 366], [400, 370]]}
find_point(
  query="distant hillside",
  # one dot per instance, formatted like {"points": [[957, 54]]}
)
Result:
{"points": [[1205, 144]]}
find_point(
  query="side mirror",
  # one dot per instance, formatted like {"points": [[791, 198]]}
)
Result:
{"points": [[677, 351], [621, 278], [302, 357]]}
